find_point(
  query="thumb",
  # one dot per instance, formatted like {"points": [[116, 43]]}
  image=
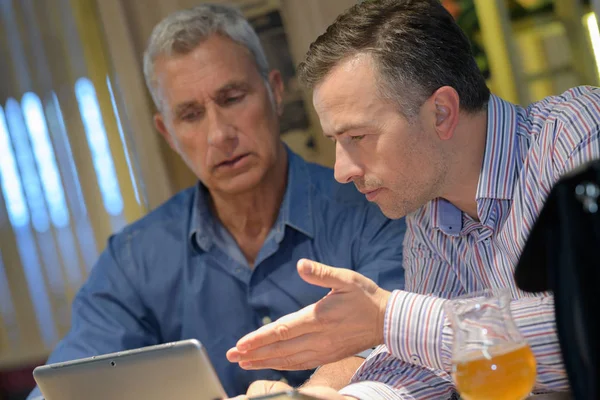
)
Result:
{"points": [[325, 276]]}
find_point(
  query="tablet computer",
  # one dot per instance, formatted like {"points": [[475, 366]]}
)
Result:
{"points": [[178, 370], [286, 395]]}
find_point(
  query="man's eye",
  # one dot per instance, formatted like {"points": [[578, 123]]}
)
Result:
{"points": [[190, 116], [233, 99], [356, 138]]}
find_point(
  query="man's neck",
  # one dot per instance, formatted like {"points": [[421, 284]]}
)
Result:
{"points": [[253, 213], [467, 161]]}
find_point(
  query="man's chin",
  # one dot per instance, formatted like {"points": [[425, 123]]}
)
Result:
{"points": [[392, 214], [395, 212], [239, 184]]}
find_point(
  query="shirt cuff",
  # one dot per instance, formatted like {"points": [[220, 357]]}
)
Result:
{"points": [[369, 390], [416, 331]]}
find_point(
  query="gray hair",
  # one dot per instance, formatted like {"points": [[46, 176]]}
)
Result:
{"points": [[182, 31]]}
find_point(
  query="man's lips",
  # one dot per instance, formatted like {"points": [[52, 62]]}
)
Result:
{"points": [[370, 194], [231, 161]]}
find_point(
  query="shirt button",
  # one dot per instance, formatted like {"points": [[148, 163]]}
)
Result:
{"points": [[415, 359], [266, 320], [238, 270]]}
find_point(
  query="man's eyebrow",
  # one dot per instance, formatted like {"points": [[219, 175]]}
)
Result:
{"points": [[179, 108], [235, 85], [345, 128]]}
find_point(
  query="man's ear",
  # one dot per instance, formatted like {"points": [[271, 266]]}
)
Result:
{"points": [[276, 83], [447, 108], [160, 125]]}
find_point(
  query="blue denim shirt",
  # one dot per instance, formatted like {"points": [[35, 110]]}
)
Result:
{"points": [[178, 274]]}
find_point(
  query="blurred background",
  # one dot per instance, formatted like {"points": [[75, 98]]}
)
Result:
{"points": [[79, 156]]}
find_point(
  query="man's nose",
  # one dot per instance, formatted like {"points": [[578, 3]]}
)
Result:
{"points": [[221, 131], [345, 169]]}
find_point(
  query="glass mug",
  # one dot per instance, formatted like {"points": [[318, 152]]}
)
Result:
{"points": [[490, 358]]}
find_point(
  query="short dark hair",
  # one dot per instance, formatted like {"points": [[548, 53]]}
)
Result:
{"points": [[417, 48]]}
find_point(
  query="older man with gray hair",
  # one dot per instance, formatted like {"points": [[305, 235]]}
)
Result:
{"points": [[219, 260]]}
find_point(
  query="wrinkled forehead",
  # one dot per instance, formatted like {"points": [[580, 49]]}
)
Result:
{"points": [[204, 71]]}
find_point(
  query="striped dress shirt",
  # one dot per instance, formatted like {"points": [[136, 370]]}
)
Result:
{"points": [[448, 254]]}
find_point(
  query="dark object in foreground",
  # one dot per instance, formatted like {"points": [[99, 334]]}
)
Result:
{"points": [[562, 255]]}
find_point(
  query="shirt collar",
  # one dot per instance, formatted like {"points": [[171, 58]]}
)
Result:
{"points": [[498, 172], [297, 202], [202, 222], [295, 210], [446, 217]]}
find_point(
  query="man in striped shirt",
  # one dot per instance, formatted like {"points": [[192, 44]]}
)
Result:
{"points": [[416, 130]]}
